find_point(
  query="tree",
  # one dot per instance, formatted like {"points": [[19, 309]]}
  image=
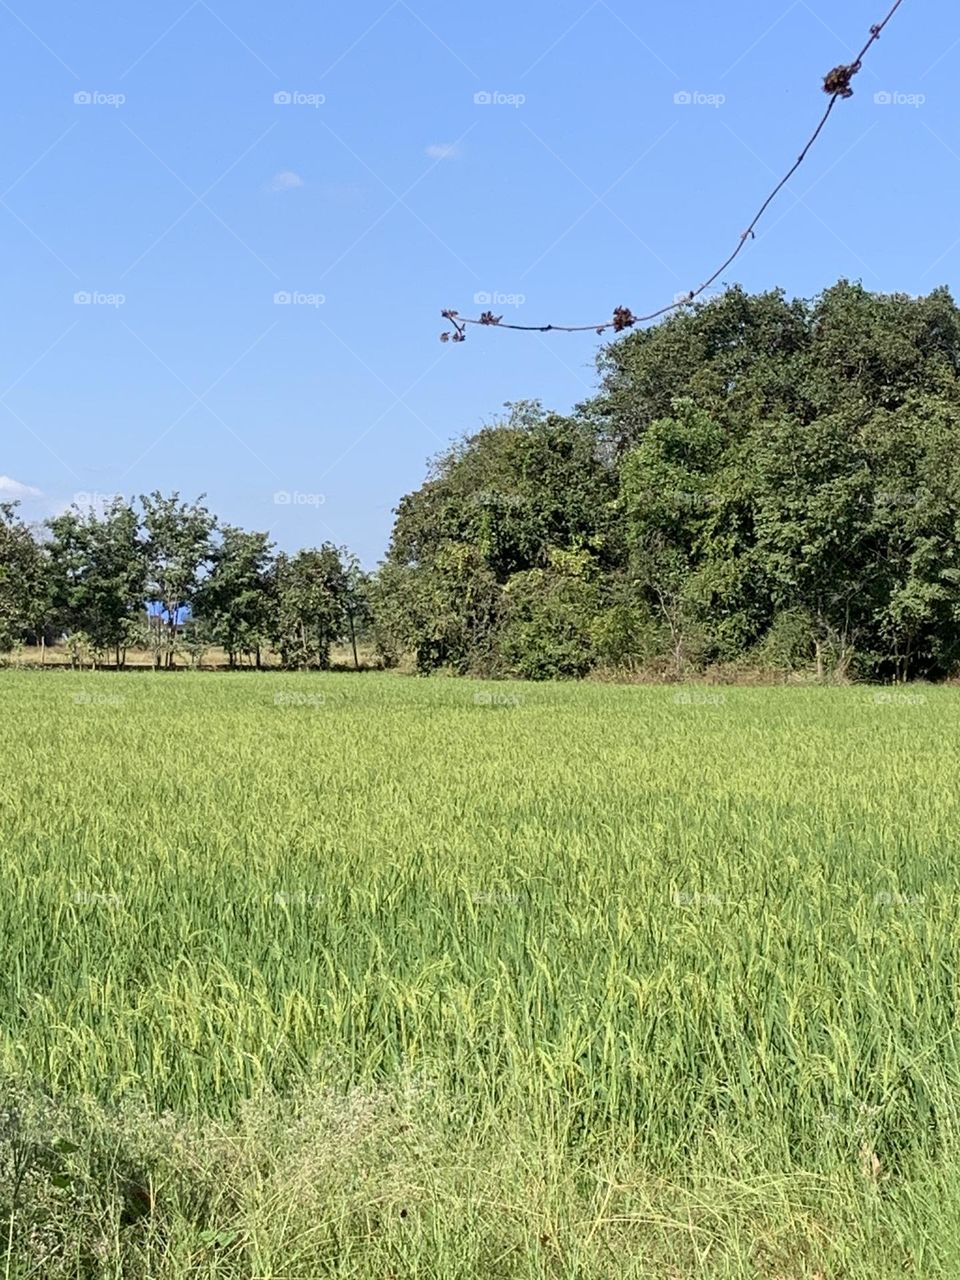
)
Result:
{"points": [[310, 590], [178, 547], [547, 613], [236, 599], [758, 481], [497, 504], [915, 521], [814, 546], [739, 359], [672, 491], [99, 575], [24, 580], [821, 412], [357, 600]]}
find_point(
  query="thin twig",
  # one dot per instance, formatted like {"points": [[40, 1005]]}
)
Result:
{"points": [[836, 83]]}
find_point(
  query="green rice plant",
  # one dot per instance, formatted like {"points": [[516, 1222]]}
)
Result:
{"points": [[664, 978]]}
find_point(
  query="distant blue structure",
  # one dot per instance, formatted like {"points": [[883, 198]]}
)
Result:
{"points": [[156, 610]]}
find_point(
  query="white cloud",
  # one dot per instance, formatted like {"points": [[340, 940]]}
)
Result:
{"points": [[443, 151], [286, 180], [12, 489]]}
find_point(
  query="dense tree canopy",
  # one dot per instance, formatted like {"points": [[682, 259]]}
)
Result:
{"points": [[759, 481]]}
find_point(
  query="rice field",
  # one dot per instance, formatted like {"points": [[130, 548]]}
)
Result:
{"points": [[365, 975]]}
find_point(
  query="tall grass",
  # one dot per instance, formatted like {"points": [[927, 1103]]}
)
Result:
{"points": [[647, 972]]}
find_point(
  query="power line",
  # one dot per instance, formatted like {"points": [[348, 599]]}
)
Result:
{"points": [[836, 83]]}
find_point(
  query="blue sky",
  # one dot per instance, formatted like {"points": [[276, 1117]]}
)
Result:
{"points": [[150, 165]]}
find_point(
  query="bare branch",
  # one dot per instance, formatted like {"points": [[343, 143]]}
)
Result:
{"points": [[836, 83]]}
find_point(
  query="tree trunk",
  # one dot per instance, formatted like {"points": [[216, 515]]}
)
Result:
{"points": [[353, 642]]}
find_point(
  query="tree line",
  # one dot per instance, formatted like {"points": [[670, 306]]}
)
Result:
{"points": [[759, 485], [165, 575]]}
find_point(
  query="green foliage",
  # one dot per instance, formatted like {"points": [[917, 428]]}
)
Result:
{"points": [[497, 507], [24, 591], [358, 603], [178, 548], [97, 572], [80, 649], [311, 590], [786, 646], [237, 597], [195, 640], [546, 632], [745, 461], [674, 507], [739, 358], [624, 635]]}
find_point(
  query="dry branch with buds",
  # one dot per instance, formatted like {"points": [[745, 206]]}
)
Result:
{"points": [[836, 83]]}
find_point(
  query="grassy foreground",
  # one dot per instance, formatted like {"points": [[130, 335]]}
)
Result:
{"points": [[365, 976]]}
